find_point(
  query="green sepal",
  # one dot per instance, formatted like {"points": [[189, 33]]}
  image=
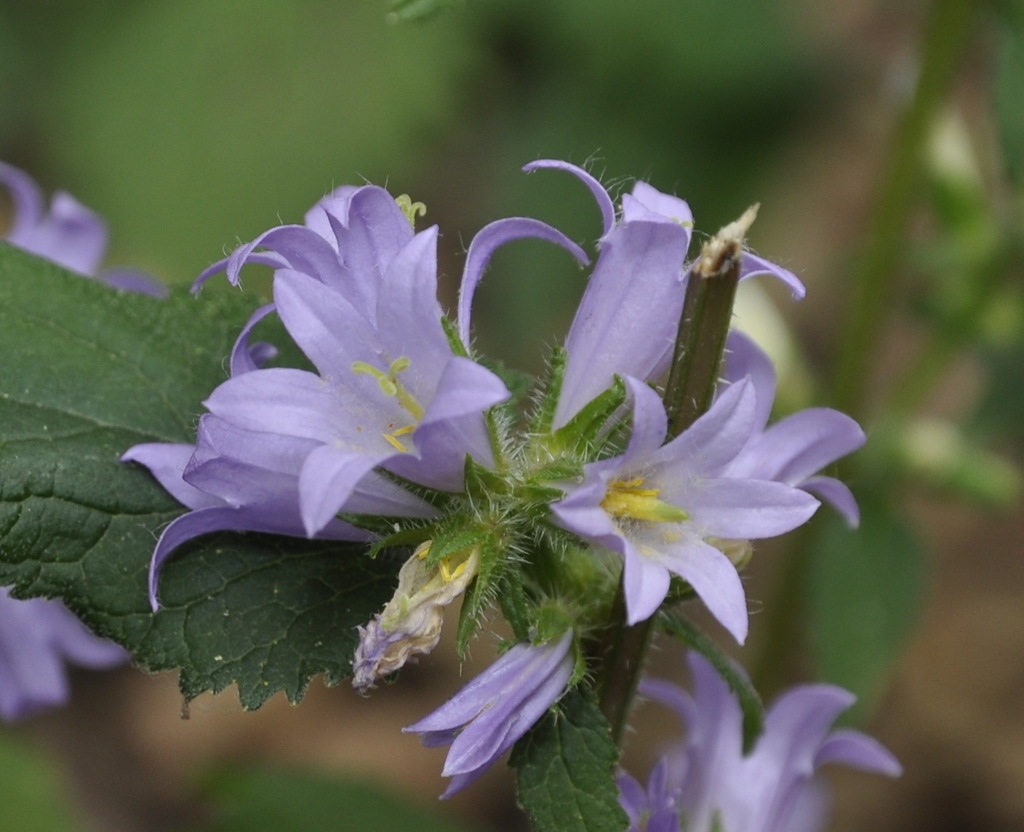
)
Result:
{"points": [[445, 543], [544, 415], [580, 435], [553, 619], [483, 484], [451, 332], [749, 698], [515, 605], [403, 537], [478, 595]]}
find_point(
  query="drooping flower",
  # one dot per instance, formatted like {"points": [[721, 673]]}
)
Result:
{"points": [[236, 480], [796, 448], [356, 289], [38, 637], [774, 788], [486, 718], [628, 318], [410, 624], [69, 234], [665, 509]]}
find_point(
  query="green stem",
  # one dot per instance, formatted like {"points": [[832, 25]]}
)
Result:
{"points": [[693, 377], [946, 34]]}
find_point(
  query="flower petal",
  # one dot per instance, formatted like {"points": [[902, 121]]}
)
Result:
{"points": [[487, 240], [167, 461], [716, 581], [754, 266], [629, 313], [604, 202]]}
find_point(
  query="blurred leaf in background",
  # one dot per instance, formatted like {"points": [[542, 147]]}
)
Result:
{"points": [[32, 795], [280, 799]]}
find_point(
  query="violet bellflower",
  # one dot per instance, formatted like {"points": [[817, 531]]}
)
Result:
{"points": [[69, 234], [356, 289], [666, 510], [711, 785], [628, 318], [794, 449], [38, 638], [486, 718]]}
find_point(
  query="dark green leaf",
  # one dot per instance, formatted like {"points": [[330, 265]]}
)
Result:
{"points": [[281, 800], [566, 769], [865, 589], [90, 372], [739, 683]]}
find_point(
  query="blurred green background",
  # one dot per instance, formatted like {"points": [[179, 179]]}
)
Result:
{"points": [[193, 125]]}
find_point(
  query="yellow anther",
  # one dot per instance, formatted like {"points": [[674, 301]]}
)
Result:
{"points": [[626, 499], [410, 209]]}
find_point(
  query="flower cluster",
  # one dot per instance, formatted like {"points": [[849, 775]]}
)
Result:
{"points": [[705, 782], [400, 435]]}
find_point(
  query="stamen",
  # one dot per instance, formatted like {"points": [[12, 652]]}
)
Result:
{"points": [[625, 498], [410, 209], [391, 386]]}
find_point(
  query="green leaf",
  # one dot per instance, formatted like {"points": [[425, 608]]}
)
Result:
{"points": [[865, 589], [91, 372], [566, 769], [739, 683], [280, 799]]}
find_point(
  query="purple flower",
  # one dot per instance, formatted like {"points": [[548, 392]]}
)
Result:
{"points": [[236, 480], [666, 510], [356, 289], [774, 788], [37, 638], [69, 234], [486, 718], [795, 448], [652, 809], [627, 321]]}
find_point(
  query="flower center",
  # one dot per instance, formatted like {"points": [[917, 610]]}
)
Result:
{"points": [[629, 499], [390, 386]]}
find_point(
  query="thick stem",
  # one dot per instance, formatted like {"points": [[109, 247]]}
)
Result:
{"points": [[946, 34], [693, 377]]}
